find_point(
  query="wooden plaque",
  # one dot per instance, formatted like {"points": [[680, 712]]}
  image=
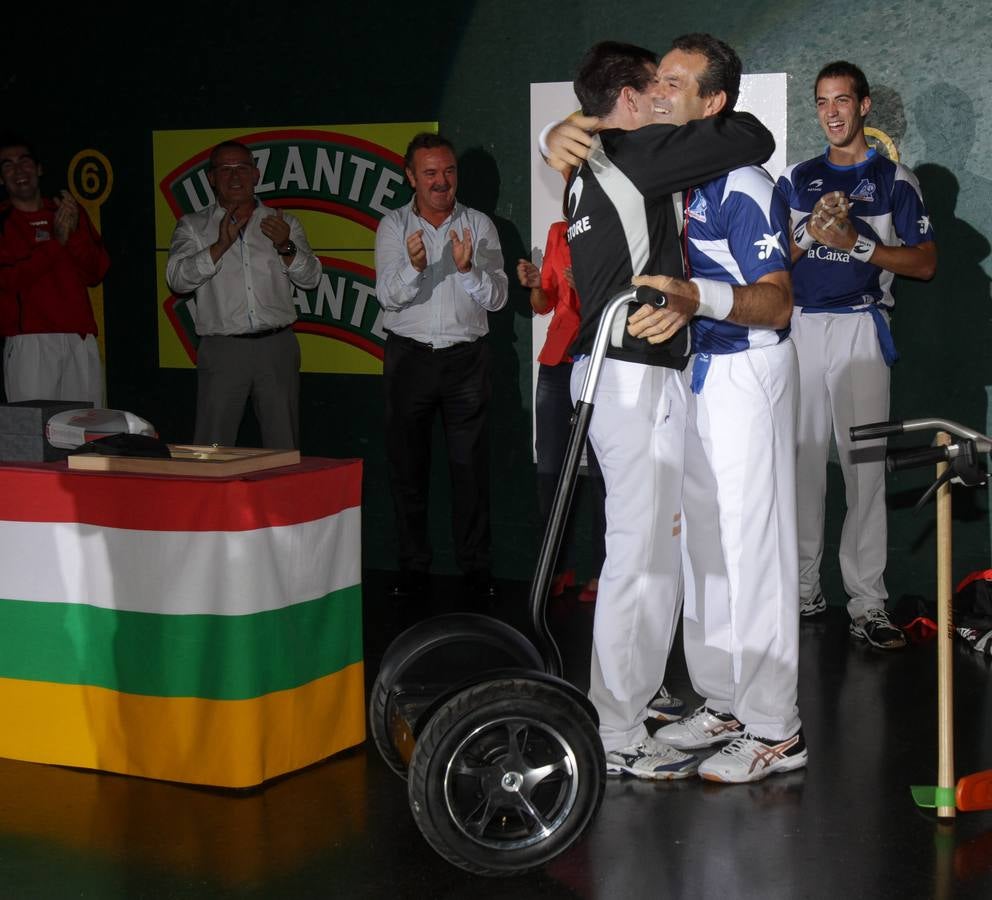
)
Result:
{"points": [[216, 462]]}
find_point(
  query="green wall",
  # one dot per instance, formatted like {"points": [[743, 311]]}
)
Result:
{"points": [[107, 78]]}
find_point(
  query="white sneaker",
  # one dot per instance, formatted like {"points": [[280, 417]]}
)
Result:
{"points": [[812, 606], [751, 758], [651, 760], [665, 707], [703, 728]]}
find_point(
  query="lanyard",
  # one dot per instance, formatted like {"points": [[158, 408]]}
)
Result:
{"points": [[686, 200]]}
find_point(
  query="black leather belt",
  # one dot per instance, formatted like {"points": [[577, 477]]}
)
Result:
{"points": [[265, 332], [429, 348]]}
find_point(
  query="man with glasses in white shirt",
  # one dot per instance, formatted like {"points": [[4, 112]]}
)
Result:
{"points": [[241, 259]]}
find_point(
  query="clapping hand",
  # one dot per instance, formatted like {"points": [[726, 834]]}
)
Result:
{"points": [[528, 273], [829, 224], [461, 249], [276, 229], [66, 216]]}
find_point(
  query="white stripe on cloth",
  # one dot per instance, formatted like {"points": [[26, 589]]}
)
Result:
{"points": [[180, 572]]}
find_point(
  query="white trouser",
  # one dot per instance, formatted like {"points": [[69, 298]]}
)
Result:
{"points": [[637, 431], [843, 382], [53, 367], [741, 619]]}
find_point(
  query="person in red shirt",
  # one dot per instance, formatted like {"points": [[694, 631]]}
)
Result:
{"points": [[50, 253]]}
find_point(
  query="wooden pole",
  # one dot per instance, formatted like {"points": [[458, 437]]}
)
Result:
{"points": [[945, 647]]}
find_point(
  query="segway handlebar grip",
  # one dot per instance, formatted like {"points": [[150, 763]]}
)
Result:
{"points": [[914, 457], [649, 295], [875, 430]]}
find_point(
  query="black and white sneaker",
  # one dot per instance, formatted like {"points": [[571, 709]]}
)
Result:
{"points": [[751, 758], [704, 728], [652, 761], [878, 630], [812, 606]]}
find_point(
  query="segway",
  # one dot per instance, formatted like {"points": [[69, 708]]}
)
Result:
{"points": [[957, 462], [502, 756]]}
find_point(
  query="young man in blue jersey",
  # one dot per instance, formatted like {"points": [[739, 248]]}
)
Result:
{"points": [[858, 219], [739, 539]]}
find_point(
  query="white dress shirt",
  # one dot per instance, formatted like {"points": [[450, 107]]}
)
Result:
{"points": [[439, 306], [250, 288]]}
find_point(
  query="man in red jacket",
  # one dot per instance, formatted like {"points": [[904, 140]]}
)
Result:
{"points": [[49, 254]]}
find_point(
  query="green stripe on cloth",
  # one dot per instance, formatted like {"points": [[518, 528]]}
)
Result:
{"points": [[208, 656]]}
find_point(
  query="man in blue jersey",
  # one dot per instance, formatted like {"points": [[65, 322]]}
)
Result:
{"points": [[858, 219], [739, 545], [622, 222]]}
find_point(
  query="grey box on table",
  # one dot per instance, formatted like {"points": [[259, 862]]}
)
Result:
{"points": [[22, 429]]}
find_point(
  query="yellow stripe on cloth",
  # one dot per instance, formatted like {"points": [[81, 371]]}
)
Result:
{"points": [[223, 743]]}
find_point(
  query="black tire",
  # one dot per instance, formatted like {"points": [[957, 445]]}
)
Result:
{"points": [[429, 659], [506, 776], [380, 720]]}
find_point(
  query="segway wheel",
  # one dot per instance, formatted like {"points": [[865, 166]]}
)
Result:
{"points": [[506, 776], [382, 719]]}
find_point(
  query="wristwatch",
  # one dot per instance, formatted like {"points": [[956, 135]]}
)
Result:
{"points": [[289, 251]]}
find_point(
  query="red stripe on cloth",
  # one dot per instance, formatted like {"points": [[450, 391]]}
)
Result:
{"points": [[288, 496]]}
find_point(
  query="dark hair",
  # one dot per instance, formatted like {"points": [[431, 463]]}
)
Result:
{"points": [[228, 145], [842, 69], [426, 140], [606, 69], [723, 66], [8, 139]]}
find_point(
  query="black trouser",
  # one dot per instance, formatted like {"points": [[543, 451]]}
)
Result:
{"points": [[420, 382], [554, 427]]}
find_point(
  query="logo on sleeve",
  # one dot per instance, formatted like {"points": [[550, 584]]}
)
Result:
{"points": [[697, 207], [924, 223], [864, 191], [768, 244]]}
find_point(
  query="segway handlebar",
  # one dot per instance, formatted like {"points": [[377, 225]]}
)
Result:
{"points": [[962, 457], [913, 457], [983, 443], [643, 294], [875, 430]]}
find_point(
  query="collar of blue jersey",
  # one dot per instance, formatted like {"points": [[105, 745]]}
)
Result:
{"points": [[869, 158]]}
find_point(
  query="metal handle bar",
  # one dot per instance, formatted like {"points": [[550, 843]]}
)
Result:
{"points": [[983, 443], [643, 294]]}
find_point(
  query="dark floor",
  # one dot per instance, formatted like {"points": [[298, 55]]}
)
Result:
{"points": [[845, 827]]}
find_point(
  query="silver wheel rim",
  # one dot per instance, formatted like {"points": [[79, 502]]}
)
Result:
{"points": [[511, 783]]}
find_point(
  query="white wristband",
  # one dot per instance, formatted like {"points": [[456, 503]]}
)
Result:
{"points": [[542, 138], [716, 298], [863, 248], [802, 238]]}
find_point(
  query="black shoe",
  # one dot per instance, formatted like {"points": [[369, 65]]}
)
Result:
{"points": [[878, 630]]}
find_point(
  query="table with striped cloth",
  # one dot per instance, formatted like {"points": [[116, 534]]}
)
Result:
{"points": [[198, 630]]}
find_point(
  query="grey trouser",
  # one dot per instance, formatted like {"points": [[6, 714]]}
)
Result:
{"points": [[232, 368]]}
